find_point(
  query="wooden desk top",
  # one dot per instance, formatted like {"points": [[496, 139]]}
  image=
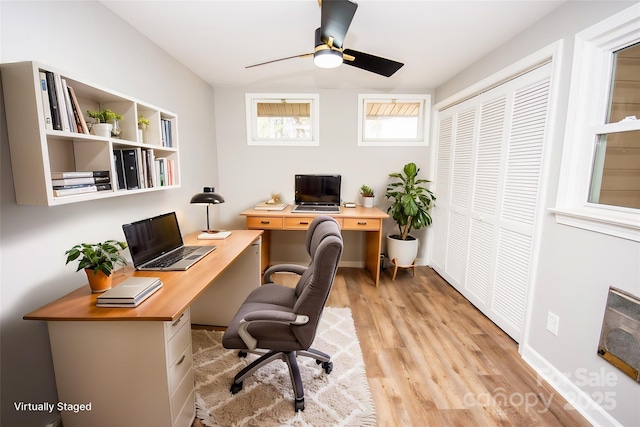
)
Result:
{"points": [[179, 288], [357, 212]]}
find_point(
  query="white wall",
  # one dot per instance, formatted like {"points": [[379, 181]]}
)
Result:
{"points": [[87, 40], [574, 267], [249, 174]]}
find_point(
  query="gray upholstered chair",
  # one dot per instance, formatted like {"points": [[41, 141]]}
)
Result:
{"points": [[280, 322]]}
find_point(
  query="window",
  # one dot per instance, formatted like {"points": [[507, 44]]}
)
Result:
{"points": [[282, 119], [600, 175], [393, 120]]}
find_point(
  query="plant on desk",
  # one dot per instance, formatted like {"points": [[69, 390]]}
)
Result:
{"points": [[367, 196], [98, 261]]}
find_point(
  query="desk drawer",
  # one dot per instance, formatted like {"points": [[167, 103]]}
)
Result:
{"points": [[297, 223], [264, 223], [367, 224]]}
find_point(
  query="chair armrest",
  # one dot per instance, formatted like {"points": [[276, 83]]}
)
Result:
{"points": [[283, 268], [268, 316]]}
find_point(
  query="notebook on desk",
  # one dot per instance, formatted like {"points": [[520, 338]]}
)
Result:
{"points": [[156, 244]]}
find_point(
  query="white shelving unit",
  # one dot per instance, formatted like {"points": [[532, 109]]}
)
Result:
{"points": [[37, 151]]}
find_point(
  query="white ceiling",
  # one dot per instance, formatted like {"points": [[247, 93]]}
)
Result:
{"points": [[434, 39]]}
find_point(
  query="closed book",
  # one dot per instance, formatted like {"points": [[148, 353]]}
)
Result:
{"points": [[46, 106], [73, 191], [130, 166], [120, 175], [63, 187], [78, 174], [53, 100], [74, 181], [266, 206], [129, 293], [62, 106], [78, 111], [103, 187], [73, 124]]}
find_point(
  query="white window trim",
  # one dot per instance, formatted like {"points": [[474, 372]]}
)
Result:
{"points": [[251, 101], [588, 106], [422, 139]]}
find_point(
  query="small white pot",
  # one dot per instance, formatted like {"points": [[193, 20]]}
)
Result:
{"points": [[403, 251], [102, 129], [367, 202]]}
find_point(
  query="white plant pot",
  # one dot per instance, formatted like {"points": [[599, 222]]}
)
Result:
{"points": [[367, 202], [403, 251], [102, 129]]}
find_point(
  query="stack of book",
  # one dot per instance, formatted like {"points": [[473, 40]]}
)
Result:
{"points": [[73, 182], [61, 108], [130, 293]]}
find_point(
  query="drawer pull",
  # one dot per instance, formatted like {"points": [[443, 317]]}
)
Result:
{"points": [[178, 321], [265, 222], [304, 222], [362, 222], [181, 359]]}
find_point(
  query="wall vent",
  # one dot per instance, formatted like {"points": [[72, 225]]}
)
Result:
{"points": [[620, 335]]}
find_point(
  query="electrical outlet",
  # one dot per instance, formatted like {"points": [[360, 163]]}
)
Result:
{"points": [[553, 322]]}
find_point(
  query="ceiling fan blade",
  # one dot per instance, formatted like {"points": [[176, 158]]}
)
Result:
{"points": [[375, 64], [304, 55], [336, 16]]}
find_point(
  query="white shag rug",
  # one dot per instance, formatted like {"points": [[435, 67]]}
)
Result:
{"points": [[342, 398]]}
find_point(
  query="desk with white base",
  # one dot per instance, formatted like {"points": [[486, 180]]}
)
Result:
{"points": [[134, 365]]}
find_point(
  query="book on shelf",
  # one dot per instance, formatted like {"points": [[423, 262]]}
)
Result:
{"points": [[53, 100], [69, 190], [140, 160], [77, 111], [166, 133], [78, 174], [73, 125], [87, 180], [130, 293], [266, 206], [130, 167], [62, 106], [46, 106]]}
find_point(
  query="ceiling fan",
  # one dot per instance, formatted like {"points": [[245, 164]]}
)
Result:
{"points": [[336, 16]]}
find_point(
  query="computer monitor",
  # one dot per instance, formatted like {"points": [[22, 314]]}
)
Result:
{"points": [[318, 190]]}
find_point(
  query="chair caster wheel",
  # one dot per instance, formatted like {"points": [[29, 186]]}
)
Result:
{"points": [[328, 367], [242, 354], [235, 388], [299, 405]]}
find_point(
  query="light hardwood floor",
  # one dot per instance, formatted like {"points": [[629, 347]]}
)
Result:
{"points": [[433, 359]]}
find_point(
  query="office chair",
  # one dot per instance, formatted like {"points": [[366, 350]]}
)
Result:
{"points": [[280, 322]]}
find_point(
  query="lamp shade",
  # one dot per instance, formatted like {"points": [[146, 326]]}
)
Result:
{"points": [[208, 196]]}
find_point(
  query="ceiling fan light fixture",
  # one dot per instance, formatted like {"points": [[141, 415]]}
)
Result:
{"points": [[327, 58]]}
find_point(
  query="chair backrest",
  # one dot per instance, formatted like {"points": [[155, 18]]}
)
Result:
{"points": [[324, 245]]}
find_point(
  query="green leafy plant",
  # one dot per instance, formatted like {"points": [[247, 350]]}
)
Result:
{"points": [[411, 201], [366, 191], [98, 256], [104, 116], [142, 122]]}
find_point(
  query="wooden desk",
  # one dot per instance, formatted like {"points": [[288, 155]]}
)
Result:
{"points": [[133, 366], [359, 218]]}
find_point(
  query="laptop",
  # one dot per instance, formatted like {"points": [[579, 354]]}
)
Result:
{"points": [[156, 244], [317, 194]]}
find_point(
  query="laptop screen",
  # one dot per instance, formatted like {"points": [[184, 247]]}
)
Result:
{"points": [[317, 190], [152, 237]]}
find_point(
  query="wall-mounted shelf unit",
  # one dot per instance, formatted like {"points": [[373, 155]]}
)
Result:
{"points": [[38, 150]]}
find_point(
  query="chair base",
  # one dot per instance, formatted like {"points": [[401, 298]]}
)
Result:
{"points": [[294, 371]]}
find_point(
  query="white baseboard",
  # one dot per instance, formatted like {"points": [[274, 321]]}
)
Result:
{"points": [[575, 396]]}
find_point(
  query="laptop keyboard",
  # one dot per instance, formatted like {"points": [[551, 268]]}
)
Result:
{"points": [[317, 209], [172, 258]]}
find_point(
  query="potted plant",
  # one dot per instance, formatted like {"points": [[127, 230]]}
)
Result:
{"points": [[98, 261], [102, 127], [367, 196], [410, 206], [143, 124]]}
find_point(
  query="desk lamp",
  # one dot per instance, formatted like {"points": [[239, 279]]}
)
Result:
{"points": [[210, 197]]}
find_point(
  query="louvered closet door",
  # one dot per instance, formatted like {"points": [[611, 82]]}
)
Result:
{"points": [[489, 160]]}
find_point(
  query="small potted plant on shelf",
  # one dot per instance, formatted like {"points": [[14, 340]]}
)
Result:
{"points": [[367, 196], [410, 206], [143, 124], [102, 126], [98, 261]]}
